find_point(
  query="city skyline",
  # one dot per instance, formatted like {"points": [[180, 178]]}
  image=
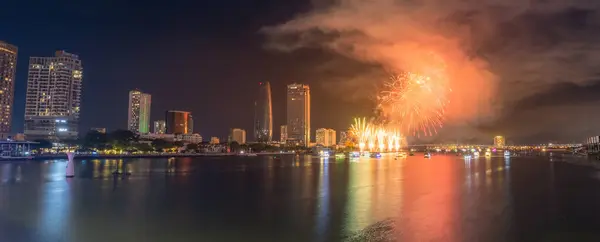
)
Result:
{"points": [[191, 68]]}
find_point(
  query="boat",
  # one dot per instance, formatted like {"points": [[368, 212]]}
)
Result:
{"points": [[323, 154], [376, 155], [476, 154], [467, 157], [340, 155], [506, 153], [488, 154], [246, 154], [427, 155], [401, 155]]}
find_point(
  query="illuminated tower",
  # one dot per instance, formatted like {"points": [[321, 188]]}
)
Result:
{"points": [[263, 115], [499, 141], [298, 113], [138, 119], [283, 134], [53, 98], [8, 66]]}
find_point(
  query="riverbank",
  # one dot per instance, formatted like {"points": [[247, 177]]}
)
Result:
{"points": [[166, 155]]}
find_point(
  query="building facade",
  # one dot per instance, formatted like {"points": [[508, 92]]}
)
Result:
{"points": [[179, 122], [215, 140], [298, 113], [160, 127], [53, 99], [263, 114], [343, 138], [283, 136], [8, 67], [325, 137], [499, 141], [238, 135], [138, 117]]}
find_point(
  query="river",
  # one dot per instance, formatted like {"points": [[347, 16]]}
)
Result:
{"points": [[289, 198]]}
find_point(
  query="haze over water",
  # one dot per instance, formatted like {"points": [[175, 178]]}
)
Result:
{"points": [[444, 198]]}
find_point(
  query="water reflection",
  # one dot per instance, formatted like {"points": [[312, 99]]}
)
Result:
{"points": [[444, 198]]}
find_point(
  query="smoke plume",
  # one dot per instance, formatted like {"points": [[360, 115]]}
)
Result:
{"points": [[493, 52]]}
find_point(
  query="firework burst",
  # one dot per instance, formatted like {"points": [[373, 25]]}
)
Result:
{"points": [[372, 137], [416, 103]]}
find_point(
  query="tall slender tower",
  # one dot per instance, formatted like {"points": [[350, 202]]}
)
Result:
{"points": [[138, 118], [263, 115], [298, 113], [53, 99], [8, 66]]}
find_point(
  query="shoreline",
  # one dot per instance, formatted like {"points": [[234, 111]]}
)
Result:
{"points": [[106, 156]]}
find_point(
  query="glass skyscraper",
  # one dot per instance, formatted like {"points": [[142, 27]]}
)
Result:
{"points": [[263, 115], [298, 114]]}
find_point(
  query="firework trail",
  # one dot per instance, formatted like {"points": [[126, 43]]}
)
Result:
{"points": [[416, 103], [374, 137]]}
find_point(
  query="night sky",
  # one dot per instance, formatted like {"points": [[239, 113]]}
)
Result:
{"points": [[207, 57]]}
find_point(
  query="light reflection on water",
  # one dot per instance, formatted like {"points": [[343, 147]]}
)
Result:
{"points": [[289, 198]]}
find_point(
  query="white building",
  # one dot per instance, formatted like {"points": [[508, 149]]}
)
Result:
{"points": [[189, 138], [238, 135], [160, 127], [151, 136], [53, 98], [325, 137], [138, 115]]}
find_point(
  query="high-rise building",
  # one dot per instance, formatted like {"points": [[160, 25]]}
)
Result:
{"points": [[499, 141], [138, 119], [263, 115], [298, 113], [343, 138], [179, 122], [283, 134], [215, 140], [160, 127], [238, 135], [325, 137], [8, 67], [53, 99]]}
